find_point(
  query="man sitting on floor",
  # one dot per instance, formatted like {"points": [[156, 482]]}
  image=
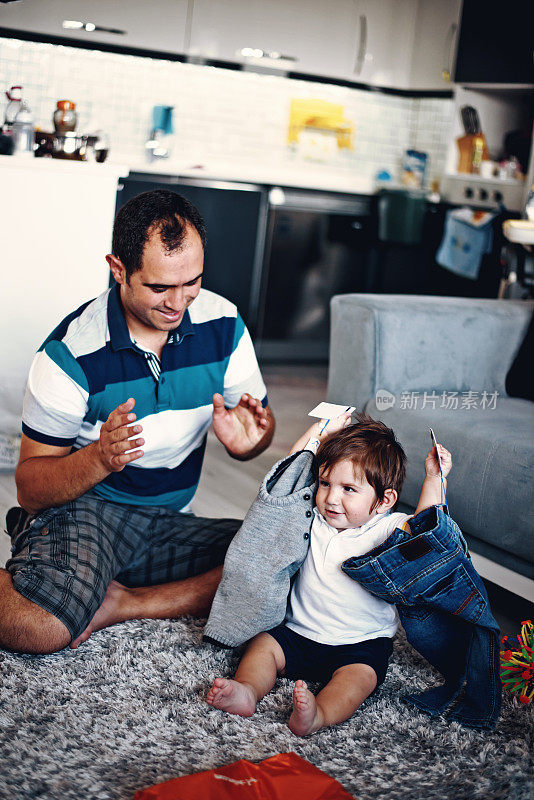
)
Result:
{"points": [[118, 403]]}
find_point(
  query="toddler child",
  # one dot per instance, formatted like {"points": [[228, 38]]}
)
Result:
{"points": [[335, 631]]}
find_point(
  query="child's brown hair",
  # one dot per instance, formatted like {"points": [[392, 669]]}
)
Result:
{"points": [[373, 448]]}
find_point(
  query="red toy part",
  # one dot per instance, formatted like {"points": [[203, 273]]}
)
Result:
{"points": [[280, 777]]}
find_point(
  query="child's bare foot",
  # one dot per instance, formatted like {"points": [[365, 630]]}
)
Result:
{"points": [[233, 697], [305, 717]]}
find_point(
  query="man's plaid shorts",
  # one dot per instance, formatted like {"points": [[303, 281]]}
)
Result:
{"points": [[66, 557]]}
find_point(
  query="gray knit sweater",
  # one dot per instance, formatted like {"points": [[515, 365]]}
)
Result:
{"points": [[265, 553]]}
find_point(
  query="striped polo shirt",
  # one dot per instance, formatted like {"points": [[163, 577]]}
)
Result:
{"points": [[89, 365]]}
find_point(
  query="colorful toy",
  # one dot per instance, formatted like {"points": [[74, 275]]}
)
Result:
{"points": [[517, 664]]}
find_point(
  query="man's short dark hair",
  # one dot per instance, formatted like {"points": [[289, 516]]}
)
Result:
{"points": [[159, 211], [373, 448]]}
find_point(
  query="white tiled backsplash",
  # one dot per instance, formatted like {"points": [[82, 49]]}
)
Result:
{"points": [[218, 114]]}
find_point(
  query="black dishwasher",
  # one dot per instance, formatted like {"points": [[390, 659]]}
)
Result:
{"points": [[317, 245]]}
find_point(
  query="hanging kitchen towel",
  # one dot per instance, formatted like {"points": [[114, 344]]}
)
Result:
{"points": [[468, 236]]}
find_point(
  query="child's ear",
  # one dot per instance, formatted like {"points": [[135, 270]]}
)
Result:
{"points": [[388, 501]]}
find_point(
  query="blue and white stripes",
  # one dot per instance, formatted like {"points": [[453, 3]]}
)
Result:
{"points": [[89, 365]]}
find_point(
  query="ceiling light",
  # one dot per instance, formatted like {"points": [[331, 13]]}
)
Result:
{"points": [[90, 27], [256, 52]]}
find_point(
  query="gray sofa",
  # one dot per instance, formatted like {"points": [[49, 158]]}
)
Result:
{"points": [[386, 351]]}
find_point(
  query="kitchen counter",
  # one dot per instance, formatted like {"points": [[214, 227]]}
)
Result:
{"points": [[303, 175], [481, 193], [57, 166], [295, 174]]}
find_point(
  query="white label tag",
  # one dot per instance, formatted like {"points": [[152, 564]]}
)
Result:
{"points": [[330, 410]]}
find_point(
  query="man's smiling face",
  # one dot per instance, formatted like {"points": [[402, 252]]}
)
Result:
{"points": [[156, 296]]}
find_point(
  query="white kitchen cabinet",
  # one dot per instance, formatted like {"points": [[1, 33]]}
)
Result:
{"points": [[56, 220], [435, 41], [384, 42], [320, 36], [368, 41], [155, 25], [404, 44]]}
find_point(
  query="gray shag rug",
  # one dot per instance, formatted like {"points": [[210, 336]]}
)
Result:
{"points": [[127, 710]]}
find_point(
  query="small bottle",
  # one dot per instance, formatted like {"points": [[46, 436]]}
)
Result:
{"points": [[477, 153], [434, 196], [24, 131], [65, 117], [14, 95]]}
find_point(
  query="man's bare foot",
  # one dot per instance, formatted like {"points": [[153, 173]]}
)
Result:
{"points": [[233, 697], [108, 614], [305, 717]]}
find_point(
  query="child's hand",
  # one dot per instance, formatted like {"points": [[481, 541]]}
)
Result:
{"points": [[432, 463], [333, 425], [316, 430]]}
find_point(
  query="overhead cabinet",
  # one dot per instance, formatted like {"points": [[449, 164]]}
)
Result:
{"points": [[496, 43], [435, 41], [308, 36], [384, 34], [408, 44], [403, 44], [156, 25], [366, 41]]}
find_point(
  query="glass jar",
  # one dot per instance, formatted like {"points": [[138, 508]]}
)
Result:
{"points": [[65, 117]]}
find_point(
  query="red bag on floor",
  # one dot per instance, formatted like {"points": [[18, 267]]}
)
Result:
{"points": [[286, 776]]}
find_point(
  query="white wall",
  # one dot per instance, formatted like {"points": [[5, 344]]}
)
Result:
{"points": [[219, 114], [55, 223]]}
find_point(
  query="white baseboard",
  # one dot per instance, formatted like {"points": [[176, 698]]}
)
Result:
{"points": [[504, 577]]}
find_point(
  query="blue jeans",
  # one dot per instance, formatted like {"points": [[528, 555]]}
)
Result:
{"points": [[444, 609]]}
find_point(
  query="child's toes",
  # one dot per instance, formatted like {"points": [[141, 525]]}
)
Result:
{"points": [[301, 692], [216, 690]]}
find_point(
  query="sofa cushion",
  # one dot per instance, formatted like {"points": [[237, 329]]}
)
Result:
{"points": [[490, 486], [411, 343]]}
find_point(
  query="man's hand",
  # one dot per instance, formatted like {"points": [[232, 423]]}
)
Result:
{"points": [[242, 429], [116, 448], [432, 463], [48, 475]]}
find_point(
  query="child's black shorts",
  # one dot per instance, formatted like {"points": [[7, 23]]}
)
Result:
{"points": [[314, 661]]}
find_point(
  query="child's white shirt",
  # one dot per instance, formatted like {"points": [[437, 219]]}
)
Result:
{"points": [[325, 604]]}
